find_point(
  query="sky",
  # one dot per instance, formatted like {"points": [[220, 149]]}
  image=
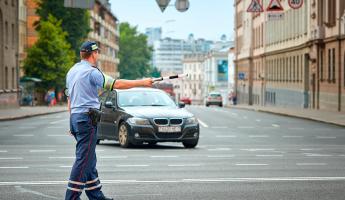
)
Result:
{"points": [[207, 19]]}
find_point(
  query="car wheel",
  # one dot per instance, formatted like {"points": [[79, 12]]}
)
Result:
{"points": [[190, 144], [98, 141], [123, 135], [207, 105], [220, 105]]}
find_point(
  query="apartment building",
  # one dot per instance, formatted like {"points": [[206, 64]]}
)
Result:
{"points": [[8, 53], [105, 32], [294, 61]]}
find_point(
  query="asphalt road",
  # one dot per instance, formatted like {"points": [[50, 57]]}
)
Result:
{"points": [[241, 155]]}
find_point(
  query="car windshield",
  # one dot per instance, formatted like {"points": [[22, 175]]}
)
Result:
{"points": [[144, 98], [215, 95]]}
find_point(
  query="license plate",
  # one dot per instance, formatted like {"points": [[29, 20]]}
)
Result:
{"points": [[169, 129]]}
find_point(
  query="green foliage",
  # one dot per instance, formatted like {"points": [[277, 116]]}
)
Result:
{"points": [[155, 72], [75, 21], [134, 54], [51, 57]]}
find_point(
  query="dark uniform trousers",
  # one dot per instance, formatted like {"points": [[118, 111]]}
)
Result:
{"points": [[84, 175]]}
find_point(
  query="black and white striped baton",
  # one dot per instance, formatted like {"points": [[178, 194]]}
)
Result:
{"points": [[170, 77]]}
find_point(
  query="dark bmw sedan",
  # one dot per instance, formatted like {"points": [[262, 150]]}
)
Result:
{"points": [[145, 115]]}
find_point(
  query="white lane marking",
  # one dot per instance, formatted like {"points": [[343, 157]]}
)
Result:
{"points": [[257, 149], [219, 127], [311, 149], [55, 127], [14, 167], [311, 164], [23, 190], [58, 121], [221, 180], [342, 155], [245, 127], [12, 158], [234, 114], [113, 157], [164, 156], [226, 136], [59, 135], [41, 151], [278, 155], [3, 151], [248, 164], [292, 136], [101, 150], [258, 120], [317, 155], [65, 166], [26, 127], [245, 117], [225, 156], [132, 165], [24, 135], [184, 165], [130, 150], [325, 137], [275, 125], [258, 136], [135, 195], [62, 157], [202, 123], [219, 149]]}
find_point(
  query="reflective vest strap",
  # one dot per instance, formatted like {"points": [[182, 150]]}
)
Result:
{"points": [[108, 82]]}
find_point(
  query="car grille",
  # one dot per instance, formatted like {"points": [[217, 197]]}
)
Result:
{"points": [[161, 121], [165, 121], [175, 121]]}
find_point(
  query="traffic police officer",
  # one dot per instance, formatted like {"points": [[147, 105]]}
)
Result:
{"points": [[83, 82]]}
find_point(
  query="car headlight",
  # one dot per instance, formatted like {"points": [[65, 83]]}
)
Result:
{"points": [[191, 120], [138, 121]]}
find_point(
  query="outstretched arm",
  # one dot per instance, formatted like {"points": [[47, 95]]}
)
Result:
{"points": [[126, 84]]}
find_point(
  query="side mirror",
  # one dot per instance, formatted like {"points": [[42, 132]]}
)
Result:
{"points": [[109, 104], [181, 104]]}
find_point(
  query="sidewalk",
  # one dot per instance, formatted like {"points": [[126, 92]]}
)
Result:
{"points": [[336, 118], [28, 111]]}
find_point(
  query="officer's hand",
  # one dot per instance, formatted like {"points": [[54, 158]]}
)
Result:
{"points": [[147, 82]]}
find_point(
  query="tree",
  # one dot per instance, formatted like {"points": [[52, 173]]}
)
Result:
{"points": [[134, 54], [155, 72], [75, 21], [51, 57]]}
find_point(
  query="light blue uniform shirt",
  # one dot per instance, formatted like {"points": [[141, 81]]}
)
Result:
{"points": [[83, 82]]}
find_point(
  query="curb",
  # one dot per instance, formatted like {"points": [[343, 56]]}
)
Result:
{"points": [[288, 115], [30, 115]]}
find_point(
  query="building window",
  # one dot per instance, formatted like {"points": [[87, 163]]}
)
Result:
{"points": [[13, 36], [6, 32], [6, 77], [329, 13], [329, 65], [333, 65], [321, 65], [13, 78]]}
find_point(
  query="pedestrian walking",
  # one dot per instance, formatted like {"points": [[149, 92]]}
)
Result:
{"points": [[83, 81]]}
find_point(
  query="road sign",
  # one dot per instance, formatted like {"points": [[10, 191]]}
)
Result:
{"points": [[255, 6], [84, 4], [163, 4], [241, 75], [182, 5], [295, 4], [274, 6]]}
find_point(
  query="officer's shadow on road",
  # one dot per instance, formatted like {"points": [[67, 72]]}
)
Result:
{"points": [[145, 146]]}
